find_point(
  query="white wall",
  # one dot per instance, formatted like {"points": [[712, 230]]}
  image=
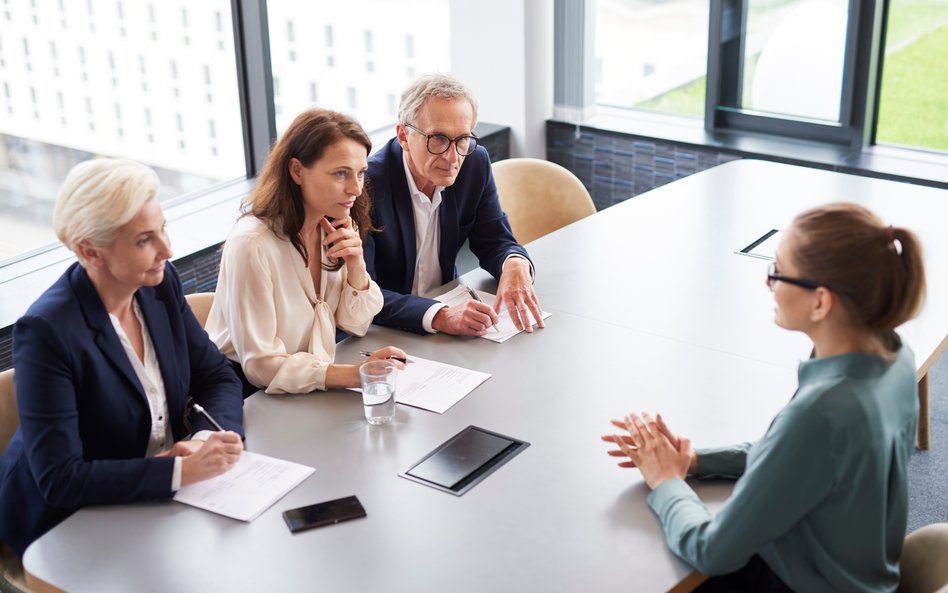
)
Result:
{"points": [[506, 58]]}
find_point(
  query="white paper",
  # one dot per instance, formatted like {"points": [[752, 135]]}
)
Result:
{"points": [[247, 489], [434, 385], [505, 328]]}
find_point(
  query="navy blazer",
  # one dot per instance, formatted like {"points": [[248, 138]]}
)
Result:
{"points": [[84, 418], [470, 210]]}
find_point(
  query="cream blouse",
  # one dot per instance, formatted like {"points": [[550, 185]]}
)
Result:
{"points": [[267, 316]]}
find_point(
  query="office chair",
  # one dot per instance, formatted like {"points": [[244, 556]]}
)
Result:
{"points": [[9, 421], [539, 197], [200, 303], [923, 565], [11, 571]]}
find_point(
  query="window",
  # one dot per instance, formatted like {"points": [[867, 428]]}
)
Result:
{"points": [[792, 59], [355, 75], [49, 117], [914, 91], [796, 68], [652, 55], [843, 73]]}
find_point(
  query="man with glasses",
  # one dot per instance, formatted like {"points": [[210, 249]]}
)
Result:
{"points": [[432, 190]]}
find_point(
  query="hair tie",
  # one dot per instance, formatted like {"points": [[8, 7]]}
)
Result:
{"points": [[896, 244]]}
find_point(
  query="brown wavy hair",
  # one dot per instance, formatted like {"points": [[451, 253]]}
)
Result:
{"points": [[876, 269], [277, 200]]}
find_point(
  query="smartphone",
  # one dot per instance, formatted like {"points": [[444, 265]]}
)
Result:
{"points": [[323, 513]]}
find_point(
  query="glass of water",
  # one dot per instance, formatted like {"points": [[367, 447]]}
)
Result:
{"points": [[378, 390]]}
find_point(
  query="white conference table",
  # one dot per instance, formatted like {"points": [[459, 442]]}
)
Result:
{"points": [[652, 310]]}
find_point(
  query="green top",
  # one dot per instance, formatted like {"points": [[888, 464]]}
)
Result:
{"points": [[823, 497]]}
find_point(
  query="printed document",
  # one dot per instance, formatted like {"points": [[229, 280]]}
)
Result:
{"points": [[433, 385], [505, 328], [249, 488]]}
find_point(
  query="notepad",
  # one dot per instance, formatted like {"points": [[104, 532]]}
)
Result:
{"points": [[249, 488]]}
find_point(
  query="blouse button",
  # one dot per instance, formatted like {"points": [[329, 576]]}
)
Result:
{"points": [[354, 293]]}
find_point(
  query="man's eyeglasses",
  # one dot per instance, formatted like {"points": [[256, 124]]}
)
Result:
{"points": [[773, 276], [439, 143]]}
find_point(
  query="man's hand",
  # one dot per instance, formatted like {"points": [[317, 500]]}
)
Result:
{"points": [[473, 318], [515, 289]]}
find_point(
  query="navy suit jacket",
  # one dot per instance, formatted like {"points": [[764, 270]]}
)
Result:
{"points": [[470, 210], [84, 418]]}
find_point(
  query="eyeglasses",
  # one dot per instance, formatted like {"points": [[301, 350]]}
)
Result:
{"points": [[439, 143], [773, 276]]}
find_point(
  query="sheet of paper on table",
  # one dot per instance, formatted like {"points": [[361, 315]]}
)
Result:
{"points": [[249, 488], [505, 326], [433, 385]]}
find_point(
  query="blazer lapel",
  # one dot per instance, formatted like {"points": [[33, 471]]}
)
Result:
{"points": [[447, 251], [97, 318], [404, 212], [159, 328]]}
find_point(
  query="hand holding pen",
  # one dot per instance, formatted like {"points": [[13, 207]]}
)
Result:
{"points": [[477, 298], [216, 455], [388, 353]]}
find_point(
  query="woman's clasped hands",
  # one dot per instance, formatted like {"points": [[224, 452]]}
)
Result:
{"points": [[653, 448]]}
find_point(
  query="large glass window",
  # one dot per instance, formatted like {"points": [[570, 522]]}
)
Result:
{"points": [[121, 78], [793, 58], [652, 54], [913, 103], [354, 57]]}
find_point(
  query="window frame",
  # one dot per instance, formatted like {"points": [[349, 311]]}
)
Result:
{"points": [[862, 65], [574, 36]]}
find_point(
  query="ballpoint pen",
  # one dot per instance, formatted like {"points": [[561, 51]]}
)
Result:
{"points": [[477, 298], [398, 358], [200, 410]]}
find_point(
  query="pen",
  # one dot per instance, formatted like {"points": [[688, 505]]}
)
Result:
{"points": [[398, 358], [200, 410], [478, 299]]}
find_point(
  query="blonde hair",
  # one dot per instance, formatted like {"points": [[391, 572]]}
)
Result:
{"points": [[433, 85], [97, 198], [877, 269]]}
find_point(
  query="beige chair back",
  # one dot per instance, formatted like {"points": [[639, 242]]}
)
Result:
{"points": [[200, 303], [924, 564], [539, 197], [9, 421]]}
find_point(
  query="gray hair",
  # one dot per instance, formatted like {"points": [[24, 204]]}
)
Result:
{"points": [[98, 197], [432, 85]]}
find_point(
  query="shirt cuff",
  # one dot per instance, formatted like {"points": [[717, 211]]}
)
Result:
{"points": [[660, 499], [532, 271], [176, 474], [429, 317]]}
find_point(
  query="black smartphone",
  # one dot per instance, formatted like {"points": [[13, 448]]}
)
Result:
{"points": [[323, 513]]}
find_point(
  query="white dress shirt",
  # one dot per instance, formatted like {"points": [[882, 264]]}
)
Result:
{"points": [[267, 316], [427, 243], [149, 375]]}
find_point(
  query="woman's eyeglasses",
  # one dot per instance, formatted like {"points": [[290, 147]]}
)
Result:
{"points": [[773, 276]]}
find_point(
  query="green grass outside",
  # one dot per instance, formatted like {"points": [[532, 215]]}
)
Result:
{"points": [[908, 18], [913, 107], [684, 100]]}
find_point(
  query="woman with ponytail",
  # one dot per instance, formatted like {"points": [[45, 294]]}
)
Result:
{"points": [[821, 501]]}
